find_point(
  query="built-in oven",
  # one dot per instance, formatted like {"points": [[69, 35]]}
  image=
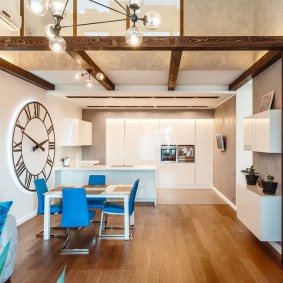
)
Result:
{"points": [[186, 153], [168, 153]]}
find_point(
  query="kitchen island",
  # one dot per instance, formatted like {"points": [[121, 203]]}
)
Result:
{"points": [[115, 175]]}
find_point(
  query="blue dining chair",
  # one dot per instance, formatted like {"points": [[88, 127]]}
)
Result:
{"points": [[115, 208], [96, 180], [97, 203], [41, 188], [75, 215]]}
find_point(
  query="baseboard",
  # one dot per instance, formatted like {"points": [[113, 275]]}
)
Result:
{"points": [[276, 246], [26, 218], [225, 199]]}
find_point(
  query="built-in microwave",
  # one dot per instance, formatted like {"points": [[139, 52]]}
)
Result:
{"points": [[168, 153], [186, 153]]}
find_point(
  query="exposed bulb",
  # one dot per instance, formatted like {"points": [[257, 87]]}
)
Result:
{"points": [[99, 76], [57, 7], [152, 20], [134, 4], [89, 83], [78, 76], [57, 44], [50, 31], [134, 36], [37, 7]]}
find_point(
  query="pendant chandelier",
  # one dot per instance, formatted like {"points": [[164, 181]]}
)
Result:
{"points": [[57, 8]]}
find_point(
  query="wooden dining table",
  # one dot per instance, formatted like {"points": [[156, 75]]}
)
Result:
{"points": [[121, 192]]}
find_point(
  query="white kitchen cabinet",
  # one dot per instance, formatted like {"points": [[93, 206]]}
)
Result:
{"points": [[186, 132], [115, 139], [150, 142], [168, 131], [176, 175], [75, 132], [262, 132], [204, 152], [260, 213], [133, 139]]}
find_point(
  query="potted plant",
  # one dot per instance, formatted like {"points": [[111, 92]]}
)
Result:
{"points": [[269, 186], [251, 175]]}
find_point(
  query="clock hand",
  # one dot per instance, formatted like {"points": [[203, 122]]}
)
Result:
{"points": [[39, 146]]}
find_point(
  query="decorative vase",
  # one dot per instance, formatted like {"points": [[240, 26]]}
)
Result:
{"points": [[251, 179], [269, 187]]}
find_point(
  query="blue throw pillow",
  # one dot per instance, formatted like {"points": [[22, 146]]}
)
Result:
{"points": [[4, 209]]}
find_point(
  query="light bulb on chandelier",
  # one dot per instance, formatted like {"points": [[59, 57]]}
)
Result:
{"points": [[57, 44], [133, 36]]}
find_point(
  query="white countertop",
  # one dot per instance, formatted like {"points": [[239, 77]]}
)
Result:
{"points": [[86, 167]]}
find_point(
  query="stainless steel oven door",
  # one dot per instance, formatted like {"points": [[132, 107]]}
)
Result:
{"points": [[168, 153]]}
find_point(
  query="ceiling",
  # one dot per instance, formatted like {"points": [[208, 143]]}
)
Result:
{"points": [[141, 77]]}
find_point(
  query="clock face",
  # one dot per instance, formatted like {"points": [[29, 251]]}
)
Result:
{"points": [[33, 145]]}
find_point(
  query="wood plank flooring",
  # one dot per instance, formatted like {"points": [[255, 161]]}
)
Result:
{"points": [[171, 243]]}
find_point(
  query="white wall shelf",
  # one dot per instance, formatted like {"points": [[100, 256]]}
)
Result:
{"points": [[260, 213], [262, 132]]}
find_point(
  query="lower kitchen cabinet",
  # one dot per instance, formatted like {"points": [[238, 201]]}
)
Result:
{"points": [[176, 175]]}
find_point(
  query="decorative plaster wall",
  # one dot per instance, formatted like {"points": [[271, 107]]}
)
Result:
{"points": [[224, 162], [269, 80], [98, 119]]}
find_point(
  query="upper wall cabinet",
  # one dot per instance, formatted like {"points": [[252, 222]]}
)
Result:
{"points": [[75, 132], [177, 131], [186, 132], [262, 132], [168, 131]]}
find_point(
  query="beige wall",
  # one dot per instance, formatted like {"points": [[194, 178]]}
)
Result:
{"points": [[98, 119], [224, 163], [269, 80]]}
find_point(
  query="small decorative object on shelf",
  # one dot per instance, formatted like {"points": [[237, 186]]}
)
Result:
{"points": [[251, 175], [268, 187]]}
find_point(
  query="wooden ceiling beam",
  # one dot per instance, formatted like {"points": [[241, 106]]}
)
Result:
{"points": [[24, 75], [88, 64], [162, 43], [174, 69], [263, 63]]}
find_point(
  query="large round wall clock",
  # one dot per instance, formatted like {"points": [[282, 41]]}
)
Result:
{"points": [[33, 145]]}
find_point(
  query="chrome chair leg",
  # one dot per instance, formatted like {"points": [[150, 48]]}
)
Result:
{"points": [[66, 251], [40, 233]]}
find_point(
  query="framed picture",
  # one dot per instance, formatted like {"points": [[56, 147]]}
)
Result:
{"points": [[266, 102]]}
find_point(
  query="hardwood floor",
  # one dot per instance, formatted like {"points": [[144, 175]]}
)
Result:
{"points": [[171, 243]]}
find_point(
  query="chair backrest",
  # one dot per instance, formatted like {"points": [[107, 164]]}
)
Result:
{"points": [[41, 188], [133, 196], [97, 180], [75, 209]]}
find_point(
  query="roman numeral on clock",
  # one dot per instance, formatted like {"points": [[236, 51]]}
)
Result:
{"points": [[17, 147], [36, 112], [52, 145], [28, 179], [27, 110], [50, 130], [20, 166], [49, 161]]}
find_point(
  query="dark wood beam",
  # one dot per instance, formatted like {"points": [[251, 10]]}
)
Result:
{"points": [[87, 63], [174, 69], [75, 17], [162, 43], [128, 20], [263, 63], [24, 75], [181, 17], [22, 13]]}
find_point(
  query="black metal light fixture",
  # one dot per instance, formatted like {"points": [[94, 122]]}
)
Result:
{"points": [[133, 36], [89, 82]]}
